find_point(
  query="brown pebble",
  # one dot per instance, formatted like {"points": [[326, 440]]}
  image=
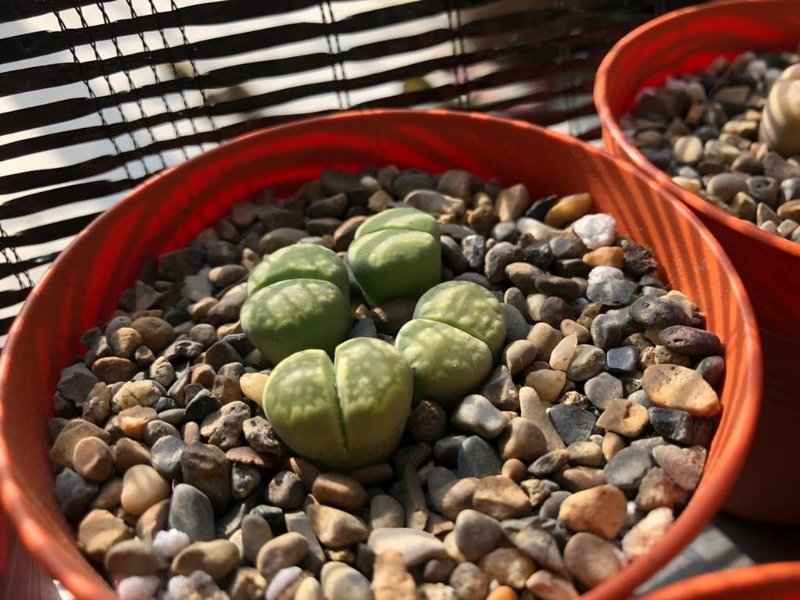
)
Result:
{"points": [[99, 531], [514, 469], [142, 487], [133, 420], [501, 498], [607, 256], [339, 490], [93, 459], [681, 388], [391, 580], [590, 559], [502, 592], [568, 209], [127, 453], [63, 448], [601, 510], [624, 417], [217, 558]]}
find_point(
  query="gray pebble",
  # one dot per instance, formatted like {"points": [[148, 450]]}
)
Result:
{"points": [[627, 468], [207, 468], [165, 456], [587, 361], [477, 534], [190, 511], [500, 390], [690, 340], [476, 458], [445, 450], [623, 360], [475, 414], [650, 311], [157, 429], [244, 480], [286, 491], [573, 424], [474, 250], [712, 368], [497, 258], [517, 327], [674, 425], [75, 494], [201, 405], [612, 292], [602, 389], [552, 505], [606, 331]]}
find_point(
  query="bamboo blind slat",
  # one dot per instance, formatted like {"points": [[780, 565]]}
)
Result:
{"points": [[95, 96]]}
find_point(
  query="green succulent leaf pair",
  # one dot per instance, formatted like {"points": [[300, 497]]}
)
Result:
{"points": [[351, 411]]}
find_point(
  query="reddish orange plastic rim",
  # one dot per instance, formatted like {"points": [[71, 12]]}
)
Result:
{"points": [[776, 581], [285, 156], [716, 13]]}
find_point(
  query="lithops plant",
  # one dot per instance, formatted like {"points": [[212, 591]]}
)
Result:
{"points": [[299, 299], [396, 254], [780, 124], [341, 414], [453, 341]]}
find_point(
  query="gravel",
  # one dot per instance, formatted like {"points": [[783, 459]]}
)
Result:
{"points": [[585, 410]]}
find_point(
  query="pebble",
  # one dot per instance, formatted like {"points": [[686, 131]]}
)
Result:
{"points": [[508, 566], [497, 258], [624, 417], [568, 209], [127, 453], [690, 340], [385, 511], [587, 361], [142, 487], [477, 534], [628, 467], [223, 427], [248, 584], [138, 588], [339, 490], [262, 438], [611, 292], [469, 582], [132, 421], [596, 230], [600, 510], [99, 531], [500, 498], [93, 459], [309, 589], [681, 388], [512, 202], [602, 389], [63, 449], [131, 557], [647, 533], [518, 355], [658, 490], [522, 440], [336, 528], [448, 494], [549, 463], [476, 458], [609, 256], [548, 384], [475, 414], [547, 586], [572, 423], [190, 511], [207, 468], [390, 578], [514, 469], [673, 425], [590, 559], [683, 465], [588, 454], [283, 551], [167, 544], [414, 546], [201, 405], [539, 545], [623, 360], [427, 423], [156, 333], [342, 582], [165, 456], [561, 355], [218, 558]]}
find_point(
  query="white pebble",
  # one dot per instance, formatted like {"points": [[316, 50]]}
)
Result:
{"points": [[177, 588], [596, 230], [281, 582], [601, 274], [138, 588], [647, 532], [167, 544], [757, 68]]}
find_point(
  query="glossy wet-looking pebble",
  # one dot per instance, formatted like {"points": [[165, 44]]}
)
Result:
{"points": [[570, 460], [705, 130]]}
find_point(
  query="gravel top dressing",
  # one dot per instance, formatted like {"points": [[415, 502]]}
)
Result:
{"points": [[393, 385], [731, 134]]}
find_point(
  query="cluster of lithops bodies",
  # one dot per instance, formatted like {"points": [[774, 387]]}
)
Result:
{"points": [[179, 443], [732, 135]]}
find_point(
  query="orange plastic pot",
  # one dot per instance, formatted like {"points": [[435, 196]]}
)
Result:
{"points": [[169, 210], [685, 41], [777, 581]]}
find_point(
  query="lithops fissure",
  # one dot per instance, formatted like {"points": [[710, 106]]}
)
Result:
{"points": [[299, 299], [396, 254], [453, 341], [345, 413]]}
